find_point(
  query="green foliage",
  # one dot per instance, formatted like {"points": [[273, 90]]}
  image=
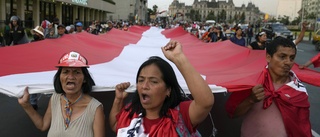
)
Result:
{"points": [[222, 16], [296, 21], [273, 19], [150, 11], [284, 20], [155, 9], [194, 15], [27, 30], [311, 16], [211, 16], [242, 17]]}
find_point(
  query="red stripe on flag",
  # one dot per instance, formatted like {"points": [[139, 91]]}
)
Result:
{"points": [[44, 55], [227, 64]]}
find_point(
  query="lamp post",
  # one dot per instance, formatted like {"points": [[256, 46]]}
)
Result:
{"points": [[302, 14]]}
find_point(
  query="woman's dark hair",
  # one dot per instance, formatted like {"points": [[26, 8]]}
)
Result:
{"points": [[238, 28], [86, 86], [273, 46], [176, 95], [259, 35]]}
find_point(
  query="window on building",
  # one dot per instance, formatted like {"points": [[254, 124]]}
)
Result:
{"points": [[67, 16], [10, 11], [28, 14]]}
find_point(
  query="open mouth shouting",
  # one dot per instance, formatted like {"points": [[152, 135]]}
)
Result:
{"points": [[70, 85], [145, 98]]}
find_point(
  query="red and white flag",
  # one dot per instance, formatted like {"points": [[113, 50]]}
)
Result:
{"points": [[116, 56]]}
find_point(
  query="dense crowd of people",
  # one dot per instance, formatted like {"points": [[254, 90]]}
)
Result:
{"points": [[15, 33]]}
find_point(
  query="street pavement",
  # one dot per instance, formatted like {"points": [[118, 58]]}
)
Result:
{"points": [[14, 122]]}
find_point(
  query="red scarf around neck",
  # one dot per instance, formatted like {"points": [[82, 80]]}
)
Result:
{"points": [[292, 101]]}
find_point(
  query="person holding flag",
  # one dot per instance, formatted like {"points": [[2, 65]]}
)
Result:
{"points": [[71, 111], [159, 107], [278, 105]]}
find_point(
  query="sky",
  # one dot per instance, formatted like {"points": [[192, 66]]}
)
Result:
{"points": [[267, 6]]}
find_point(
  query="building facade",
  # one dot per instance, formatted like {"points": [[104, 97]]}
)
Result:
{"points": [[204, 7], [32, 12], [130, 10], [311, 12]]}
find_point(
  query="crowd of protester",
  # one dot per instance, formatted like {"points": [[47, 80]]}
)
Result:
{"points": [[14, 32]]}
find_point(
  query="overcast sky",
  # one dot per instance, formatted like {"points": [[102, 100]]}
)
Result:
{"points": [[268, 6]]}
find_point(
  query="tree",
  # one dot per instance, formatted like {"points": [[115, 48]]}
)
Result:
{"points": [[150, 11], [194, 15], [222, 16], [284, 20], [235, 18], [211, 16], [273, 19], [243, 17], [296, 20], [155, 9], [311, 16]]}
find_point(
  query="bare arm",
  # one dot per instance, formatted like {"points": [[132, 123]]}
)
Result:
{"points": [[99, 123], [120, 95], [42, 123], [203, 97], [249, 46], [307, 64], [256, 95], [301, 35]]}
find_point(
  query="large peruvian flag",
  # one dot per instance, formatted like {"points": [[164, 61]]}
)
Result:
{"points": [[116, 56]]}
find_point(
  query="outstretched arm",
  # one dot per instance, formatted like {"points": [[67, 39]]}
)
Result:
{"points": [[203, 97], [301, 35], [42, 123], [120, 95], [305, 65]]}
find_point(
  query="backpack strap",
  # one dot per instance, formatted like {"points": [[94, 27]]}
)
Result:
{"points": [[182, 129]]}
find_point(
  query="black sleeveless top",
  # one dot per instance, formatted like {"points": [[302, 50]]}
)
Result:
{"points": [[255, 46]]}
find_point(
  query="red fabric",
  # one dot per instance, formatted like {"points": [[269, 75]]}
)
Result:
{"points": [[222, 63], [229, 65], [166, 126], [316, 60], [294, 109], [44, 55], [44, 24]]}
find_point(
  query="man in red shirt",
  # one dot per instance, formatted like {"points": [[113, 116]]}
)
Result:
{"points": [[278, 106]]}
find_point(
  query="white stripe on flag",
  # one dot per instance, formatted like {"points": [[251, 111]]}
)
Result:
{"points": [[106, 75]]}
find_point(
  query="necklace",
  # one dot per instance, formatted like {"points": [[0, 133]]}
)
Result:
{"points": [[68, 110]]}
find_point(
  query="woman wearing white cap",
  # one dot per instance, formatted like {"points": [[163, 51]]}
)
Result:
{"points": [[71, 111], [260, 43]]}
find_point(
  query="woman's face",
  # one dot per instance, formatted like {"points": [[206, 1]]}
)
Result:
{"points": [[71, 80], [239, 32], [263, 38], [151, 88]]}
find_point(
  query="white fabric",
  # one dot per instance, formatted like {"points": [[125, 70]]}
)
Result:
{"points": [[106, 75]]}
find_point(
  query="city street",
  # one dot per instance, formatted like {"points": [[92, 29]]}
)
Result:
{"points": [[14, 122]]}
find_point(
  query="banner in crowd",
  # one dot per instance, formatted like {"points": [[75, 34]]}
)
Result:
{"points": [[116, 56]]}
